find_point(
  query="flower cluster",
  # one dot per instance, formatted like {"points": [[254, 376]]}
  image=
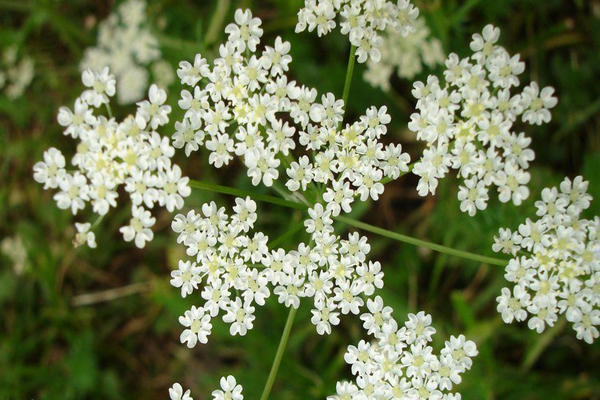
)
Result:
{"points": [[110, 154], [361, 20], [246, 106], [15, 73], [126, 45], [467, 124], [400, 363], [404, 56], [556, 264], [238, 271]]}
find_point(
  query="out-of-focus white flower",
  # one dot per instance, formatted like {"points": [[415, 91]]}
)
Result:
{"points": [[404, 55], [127, 46], [16, 73]]}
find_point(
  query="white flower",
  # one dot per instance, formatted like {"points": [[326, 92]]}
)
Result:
{"points": [[537, 104], [403, 352], [562, 255], [84, 235], [262, 166], [77, 121], [126, 46], [324, 316], [153, 113], [361, 21], [245, 32], [240, 316], [139, 227], [191, 74], [174, 188], [187, 277], [467, 124], [230, 390], [74, 192], [176, 393], [102, 85], [51, 171], [110, 154], [198, 326], [473, 196], [245, 213]]}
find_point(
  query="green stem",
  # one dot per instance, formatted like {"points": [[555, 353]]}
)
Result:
{"points": [[211, 187], [279, 355], [96, 222], [348, 81], [291, 232], [217, 21], [361, 225], [109, 110], [417, 242], [545, 339]]}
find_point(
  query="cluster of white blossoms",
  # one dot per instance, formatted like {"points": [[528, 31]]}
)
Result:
{"points": [[110, 154], [556, 264], [399, 362], [126, 45], [467, 124], [404, 56], [16, 72], [230, 390], [237, 271], [246, 106], [362, 20]]}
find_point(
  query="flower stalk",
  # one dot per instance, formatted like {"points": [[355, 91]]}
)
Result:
{"points": [[279, 355]]}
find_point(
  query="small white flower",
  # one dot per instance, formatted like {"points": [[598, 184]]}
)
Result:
{"points": [[187, 277], [153, 112], [51, 171], [230, 390], [84, 235], [176, 393], [102, 84], [139, 227], [198, 326]]}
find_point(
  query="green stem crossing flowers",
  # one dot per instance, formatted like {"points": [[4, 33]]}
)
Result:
{"points": [[357, 224]]}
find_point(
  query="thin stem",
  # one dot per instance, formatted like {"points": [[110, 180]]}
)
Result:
{"points": [[211, 187], [291, 232], [97, 222], [545, 339], [279, 355], [361, 225], [417, 242], [110, 114], [348, 81], [217, 21], [110, 294]]}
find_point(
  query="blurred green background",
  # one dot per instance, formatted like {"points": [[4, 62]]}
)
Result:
{"points": [[122, 342]]}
